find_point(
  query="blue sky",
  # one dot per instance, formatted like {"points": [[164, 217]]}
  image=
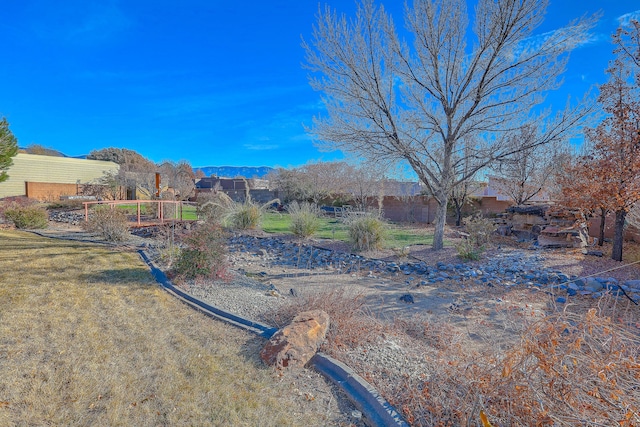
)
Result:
{"points": [[211, 82]]}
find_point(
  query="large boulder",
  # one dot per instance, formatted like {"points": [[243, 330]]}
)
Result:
{"points": [[295, 344]]}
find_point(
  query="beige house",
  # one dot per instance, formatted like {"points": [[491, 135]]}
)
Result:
{"points": [[48, 177]]}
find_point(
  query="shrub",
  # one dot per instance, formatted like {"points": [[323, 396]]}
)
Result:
{"points": [[350, 323], [244, 216], [109, 223], [467, 251], [567, 370], [213, 206], [305, 219], [479, 231], [67, 205], [28, 217], [366, 232], [166, 244], [203, 253]]}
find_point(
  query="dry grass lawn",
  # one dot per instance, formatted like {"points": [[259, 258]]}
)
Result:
{"points": [[87, 338]]}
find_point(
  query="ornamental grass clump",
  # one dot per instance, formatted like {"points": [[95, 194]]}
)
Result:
{"points": [[110, 223], [246, 215], [213, 206], [203, 254], [366, 232], [305, 219]]}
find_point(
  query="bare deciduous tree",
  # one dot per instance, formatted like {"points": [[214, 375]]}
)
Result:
{"points": [[416, 101], [290, 184], [178, 178], [362, 183], [135, 172], [325, 180], [525, 174], [461, 194]]}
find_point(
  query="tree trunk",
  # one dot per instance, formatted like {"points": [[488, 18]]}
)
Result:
{"points": [[603, 217], [458, 214], [440, 221], [616, 252]]}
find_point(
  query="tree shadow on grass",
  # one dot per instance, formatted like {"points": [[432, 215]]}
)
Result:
{"points": [[127, 276]]}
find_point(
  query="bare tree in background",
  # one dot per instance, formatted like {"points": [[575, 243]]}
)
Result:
{"points": [[179, 178], [288, 183], [135, 172], [42, 150], [325, 180], [416, 101], [365, 182], [461, 194], [525, 173]]}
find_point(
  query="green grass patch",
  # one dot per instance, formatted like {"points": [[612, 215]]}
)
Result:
{"points": [[334, 228], [189, 212]]}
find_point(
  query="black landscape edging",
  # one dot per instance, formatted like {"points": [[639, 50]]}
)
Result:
{"points": [[211, 311], [376, 410]]}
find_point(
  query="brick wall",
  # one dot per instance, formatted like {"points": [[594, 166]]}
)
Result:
{"points": [[630, 233], [48, 192], [420, 209], [491, 205]]}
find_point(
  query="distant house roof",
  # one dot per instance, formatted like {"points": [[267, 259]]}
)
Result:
{"points": [[50, 169], [231, 184], [225, 184]]}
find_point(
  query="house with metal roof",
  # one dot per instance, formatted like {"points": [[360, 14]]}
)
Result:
{"points": [[48, 177]]}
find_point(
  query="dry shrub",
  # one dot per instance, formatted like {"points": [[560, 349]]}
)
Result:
{"points": [[167, 243], [479, 231], [567, 370], [349, 323], [110, 223], [203, 254]]}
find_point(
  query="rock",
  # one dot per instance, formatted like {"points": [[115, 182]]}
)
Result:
{"points": [[504, 230], [561, 300], [538, 210], [633, 284], [592, 285], [408, 298], [295, 344], [273, 293], [599, 254]]}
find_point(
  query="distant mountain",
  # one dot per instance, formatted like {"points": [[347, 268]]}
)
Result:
{"points": [[234, 171]]}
